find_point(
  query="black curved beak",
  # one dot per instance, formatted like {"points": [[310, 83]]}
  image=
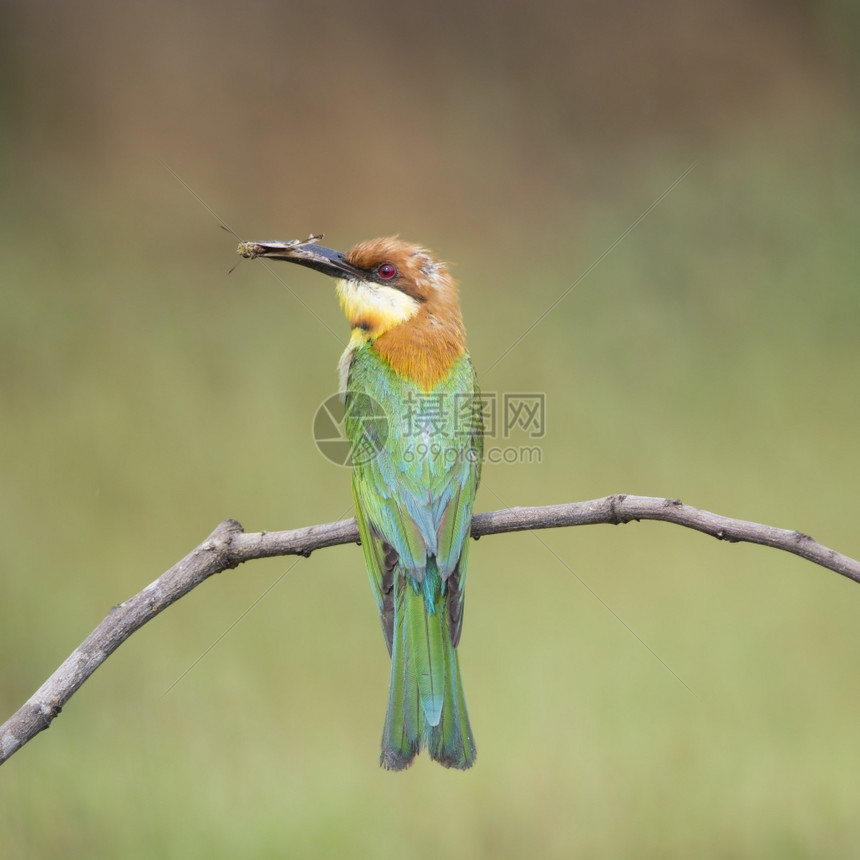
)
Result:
{"points": [[305, 253]]}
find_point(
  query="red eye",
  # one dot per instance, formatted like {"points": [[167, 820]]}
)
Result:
{"points": [[386, 271]]}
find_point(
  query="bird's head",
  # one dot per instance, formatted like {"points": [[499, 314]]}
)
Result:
{"points": [[395, 295]]}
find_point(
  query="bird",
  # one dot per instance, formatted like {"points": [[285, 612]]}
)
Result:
{"points": [[413, 419]]}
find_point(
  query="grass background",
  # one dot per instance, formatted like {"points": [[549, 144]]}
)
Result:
{"points": [[712, 356]]}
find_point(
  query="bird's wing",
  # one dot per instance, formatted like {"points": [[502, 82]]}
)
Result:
{"points": [[415, 495]]}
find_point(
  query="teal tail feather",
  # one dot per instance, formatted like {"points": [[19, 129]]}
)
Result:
{"points": [[426, 705]]}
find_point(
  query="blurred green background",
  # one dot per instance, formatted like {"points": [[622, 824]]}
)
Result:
{"points": [[712, 355]]}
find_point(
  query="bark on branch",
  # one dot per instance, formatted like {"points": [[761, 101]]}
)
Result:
{"points": [[229, 546]]}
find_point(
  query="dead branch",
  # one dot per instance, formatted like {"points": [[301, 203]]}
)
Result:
{"points": [[229, 546]]}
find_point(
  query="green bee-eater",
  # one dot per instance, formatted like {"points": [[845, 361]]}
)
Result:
{"points": [[413, 418]]}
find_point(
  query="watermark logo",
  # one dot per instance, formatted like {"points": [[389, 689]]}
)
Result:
{"points": [[360, 413], [444, 416], [437, 426], [526, 412]]}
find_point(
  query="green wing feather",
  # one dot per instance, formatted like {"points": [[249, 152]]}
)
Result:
{"points": [[414, 508]]}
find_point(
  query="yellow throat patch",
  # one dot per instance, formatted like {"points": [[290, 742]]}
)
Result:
{"points": [[373, 308]]}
